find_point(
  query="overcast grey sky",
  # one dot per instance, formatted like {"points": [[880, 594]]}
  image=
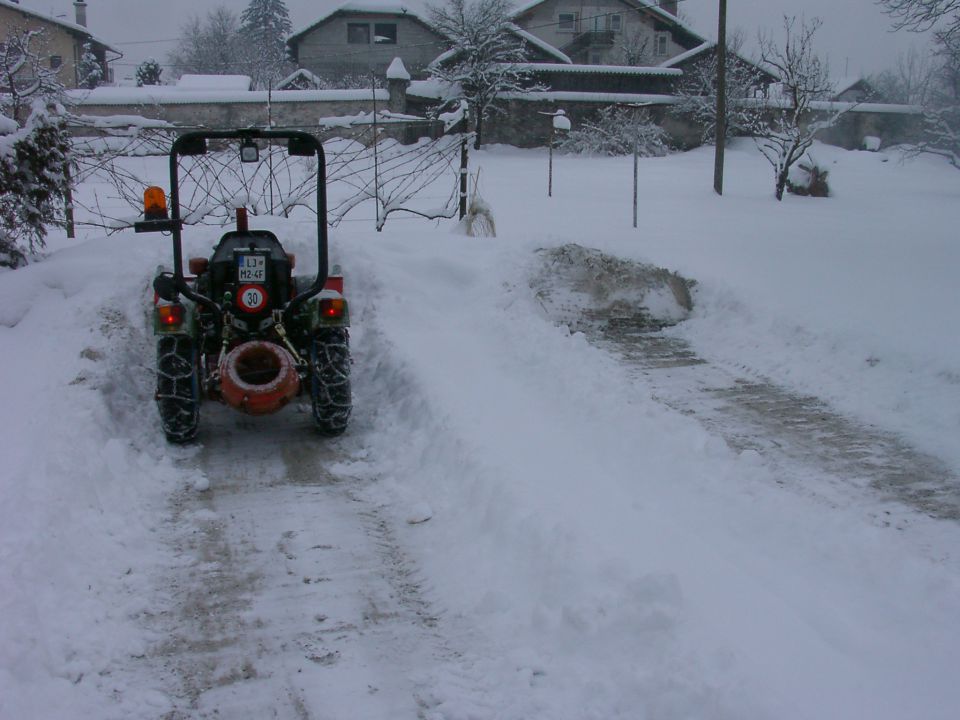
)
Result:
{"points": [[855, 37]]}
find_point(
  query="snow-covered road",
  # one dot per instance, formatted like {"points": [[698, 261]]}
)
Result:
{"points": [[523, 522]]}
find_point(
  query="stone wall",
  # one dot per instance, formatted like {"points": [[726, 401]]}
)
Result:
{"points": [[523, 124], [305, 114]]}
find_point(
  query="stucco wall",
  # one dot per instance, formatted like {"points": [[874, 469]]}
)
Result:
{"points": [[325, 50], [523, 125], [55, 41]]}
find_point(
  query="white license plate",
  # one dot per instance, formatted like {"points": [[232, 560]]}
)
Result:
{"points": [[252, 269]]}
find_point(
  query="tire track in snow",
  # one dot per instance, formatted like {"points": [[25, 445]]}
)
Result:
{"points": [[762, 417], [606, 298], [293, 598]]}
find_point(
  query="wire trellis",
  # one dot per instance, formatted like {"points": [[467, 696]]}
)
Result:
{"points": [[421, 178]]}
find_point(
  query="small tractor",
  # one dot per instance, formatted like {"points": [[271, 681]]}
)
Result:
{"points": [[241, 328]]}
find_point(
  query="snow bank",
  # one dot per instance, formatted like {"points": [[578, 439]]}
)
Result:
{"points": [[84, 483]]}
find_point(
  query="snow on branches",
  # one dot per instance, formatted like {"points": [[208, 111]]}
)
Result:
{"points": [[33, 179], [617, 131], [697, 94], [483, 59], [24, 75], [803, 78]]}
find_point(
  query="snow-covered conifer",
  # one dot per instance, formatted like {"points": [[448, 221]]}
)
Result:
{"points": [[33, 162], [89, 69], [264, 27], [148, 72]]}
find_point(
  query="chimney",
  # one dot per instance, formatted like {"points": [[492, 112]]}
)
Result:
{"points": [[81, 7], [669, 6]]}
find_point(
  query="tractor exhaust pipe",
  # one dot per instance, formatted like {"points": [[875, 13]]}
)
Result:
{"points": [[258, 378]]}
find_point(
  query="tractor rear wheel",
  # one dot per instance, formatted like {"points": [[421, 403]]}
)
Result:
{"points": [[330, 380], [178, 387]]}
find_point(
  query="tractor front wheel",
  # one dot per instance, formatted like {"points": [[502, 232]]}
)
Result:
{"points": [[330, 380], [178, 387]]}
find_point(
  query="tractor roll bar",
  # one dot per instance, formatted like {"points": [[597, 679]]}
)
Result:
{"points": [[186, 144]]}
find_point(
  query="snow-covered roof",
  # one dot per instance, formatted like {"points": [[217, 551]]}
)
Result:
{"points": [[214, 82], [538, 43], [69, 26], [683, 57], [433, 88], [599, 69], [297, 74], [597, 97], [381, 117], [363, 8], [841, 85]]}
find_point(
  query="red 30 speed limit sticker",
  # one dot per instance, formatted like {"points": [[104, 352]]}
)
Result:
{"points": [[252, 298]]}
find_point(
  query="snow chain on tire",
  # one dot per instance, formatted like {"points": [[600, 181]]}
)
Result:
{"points": [[178, 392], [330, 380]]}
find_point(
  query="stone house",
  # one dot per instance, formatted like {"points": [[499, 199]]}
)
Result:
{"points": [[62, 43], [357, 39]]}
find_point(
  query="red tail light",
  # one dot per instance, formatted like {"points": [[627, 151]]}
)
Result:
{"points": [[170, 315], [332, 308]]}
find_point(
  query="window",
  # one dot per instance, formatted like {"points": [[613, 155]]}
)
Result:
{"points": [[567, 22], [385, 33], [616, 22], [596, 59], [55, 62], [358, 33], [660, 43]]}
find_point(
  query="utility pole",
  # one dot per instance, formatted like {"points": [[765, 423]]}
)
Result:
{"points": [[721, 98]]}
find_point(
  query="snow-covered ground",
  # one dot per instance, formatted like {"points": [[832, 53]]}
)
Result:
{"points": [[513, 527]]}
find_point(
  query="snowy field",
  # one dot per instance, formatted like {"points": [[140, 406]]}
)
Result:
{"points": [[516, 526]]}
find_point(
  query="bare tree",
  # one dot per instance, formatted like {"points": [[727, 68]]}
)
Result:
{"points": [[803, 80], [923, 15], [697, 93], [209, 46], [634, 48], [941, 111], [941, 97], [483, 59], [24, 75], [910, 82]]}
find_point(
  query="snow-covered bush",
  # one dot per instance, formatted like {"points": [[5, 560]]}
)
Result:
{"points": [[808, 179], [615, 132], [148, 72], [33, 178]]}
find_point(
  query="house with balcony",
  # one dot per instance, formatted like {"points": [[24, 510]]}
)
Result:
{"points": [[609, 32], [61, 42]]}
